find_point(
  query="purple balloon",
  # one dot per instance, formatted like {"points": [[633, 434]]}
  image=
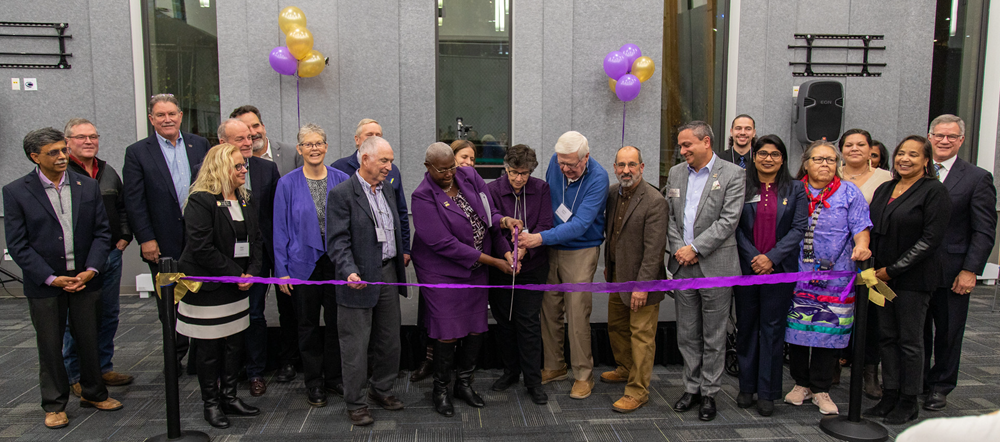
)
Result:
{"points": [[616, 64], [628, 87], [631, 52], [282, 61]]}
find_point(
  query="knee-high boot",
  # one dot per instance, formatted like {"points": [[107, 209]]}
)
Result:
{"points": [[209, 364], [444, 355], [466, 367], [231, 404]]}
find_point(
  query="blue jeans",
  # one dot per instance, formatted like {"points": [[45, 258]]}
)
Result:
{"points": [[256, 334], [107, 325]]}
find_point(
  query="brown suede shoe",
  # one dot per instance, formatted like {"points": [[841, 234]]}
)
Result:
{"points": [[616, 376], [105, 405], [553, 375], [116, 379], [76, 389], [581, 389], [56, 419], [627, 404]]}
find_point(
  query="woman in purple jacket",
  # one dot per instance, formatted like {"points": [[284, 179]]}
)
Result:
{"points": [[523, 201], [456, 232]]}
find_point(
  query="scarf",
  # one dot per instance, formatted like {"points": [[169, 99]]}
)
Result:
{"points": [[829, 190]]}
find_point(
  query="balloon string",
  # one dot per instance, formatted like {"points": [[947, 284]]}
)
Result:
{"points": [[298, 102], [623, 122]]}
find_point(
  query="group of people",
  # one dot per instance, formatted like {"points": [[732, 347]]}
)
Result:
{"points": [[251, 206]]}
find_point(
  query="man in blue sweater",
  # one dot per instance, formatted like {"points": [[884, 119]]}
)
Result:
{"points": [[579, 189]]}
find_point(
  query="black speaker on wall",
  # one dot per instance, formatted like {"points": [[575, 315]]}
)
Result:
{"points": [[819, 111]]}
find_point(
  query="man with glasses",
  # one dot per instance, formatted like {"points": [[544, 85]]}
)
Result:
{"points": [[967, 245], [578, 186], [84, 142], [57, 232], [157, 173], [702, 243], [637, 240], [261, 180]]}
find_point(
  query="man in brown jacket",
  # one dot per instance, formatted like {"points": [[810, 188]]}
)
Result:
{"points": [[636, 233]]}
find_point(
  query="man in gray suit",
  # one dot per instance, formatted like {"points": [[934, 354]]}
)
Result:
{"points": [[365, 243], [283, 155], [705, 197]]}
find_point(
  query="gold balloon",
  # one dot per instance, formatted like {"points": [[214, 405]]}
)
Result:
{"points": [[642, 68], [290, 17], [312, 64], [611, 84], [299, 42]]}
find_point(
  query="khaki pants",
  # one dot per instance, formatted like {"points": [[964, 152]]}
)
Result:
{"points": [[633, 342], [572, 308]]}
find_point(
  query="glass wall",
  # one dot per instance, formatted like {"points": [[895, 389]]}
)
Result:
{"points": [[182, 58], [693, 72], [474, 77]]}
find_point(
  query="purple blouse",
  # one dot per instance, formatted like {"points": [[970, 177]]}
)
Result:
{"points": [[767, 217]]}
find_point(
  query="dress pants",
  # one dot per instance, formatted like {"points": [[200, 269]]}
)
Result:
{"points": [[633, 342], [903, 342], [289, 323], [181, 343], [761, 316], [48, 316], [702, 316], [519, 339], [107, 325], [943, 332], [256, 334], [812, 367], [571, 309], [378, 325], [320, 350]]}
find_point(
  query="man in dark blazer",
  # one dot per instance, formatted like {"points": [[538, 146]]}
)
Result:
{"points": [[262, 179], [284, 155], [351, 163], [57, 232], [157, 174], [967, 245], [365, 243], [636, 233]]}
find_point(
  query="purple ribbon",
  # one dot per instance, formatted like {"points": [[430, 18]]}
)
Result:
{"points": [[662, 285]]}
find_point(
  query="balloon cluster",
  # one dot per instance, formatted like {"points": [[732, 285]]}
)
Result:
{"points": [[297, 55], [627, 69]]}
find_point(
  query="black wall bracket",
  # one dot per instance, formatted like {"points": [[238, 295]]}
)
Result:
{"points": [[810, 40], [60, 34]]}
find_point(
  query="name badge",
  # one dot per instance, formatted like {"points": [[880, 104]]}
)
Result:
{"points": [[486, 205], [380, 234], [564, 213], [674, 193], [755, 199], [242, 250]]}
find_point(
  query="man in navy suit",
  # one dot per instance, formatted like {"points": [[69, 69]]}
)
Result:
{"points": [[262, 180], [963, 254], [350, 164], [157, 174], [57, 233]]}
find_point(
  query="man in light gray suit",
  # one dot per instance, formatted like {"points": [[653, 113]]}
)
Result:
{"points": [[705, 197], [283, 155], [365, 243]]}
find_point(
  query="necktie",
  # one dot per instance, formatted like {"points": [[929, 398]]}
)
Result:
{"points": [[937, 170], [743, 162]]}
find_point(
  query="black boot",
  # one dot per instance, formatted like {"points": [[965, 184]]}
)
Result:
{"points": [[426, 367], [884, 406], [229, 403], [209, 364], [906, 410], [466, 367], [444, 356], [872, 388]]}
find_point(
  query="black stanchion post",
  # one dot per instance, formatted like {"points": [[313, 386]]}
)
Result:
{"points": [[168, 319], [852, 427]]}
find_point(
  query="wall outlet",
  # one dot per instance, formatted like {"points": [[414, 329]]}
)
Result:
{"points": [[30, 84], [15, 84], [795, 92]]}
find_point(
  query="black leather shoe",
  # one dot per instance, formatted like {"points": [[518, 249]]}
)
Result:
{"points": [[336, 389], [216, 418], [707, 410], [687, 402], [744, 400], [425, 370], [538, 395], [505, 380], [936, 401], [285, 373], [360, 417], [239, 408], [317, 397], [388, 402], [765, 407]]}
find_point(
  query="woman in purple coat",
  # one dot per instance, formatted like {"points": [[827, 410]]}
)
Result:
{"points": [[456, 232]]}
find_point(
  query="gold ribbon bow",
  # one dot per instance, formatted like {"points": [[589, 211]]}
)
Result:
{"points": [[183, 286], [878, 292]]}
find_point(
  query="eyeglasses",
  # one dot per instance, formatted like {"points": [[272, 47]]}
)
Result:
{"points": [[515, 174], [444, 171], [312, 145], [952, 138], [240, 166], [570, 166], [630, 165], [774, 155], [822, 160], [94, 137], [56, 152]]}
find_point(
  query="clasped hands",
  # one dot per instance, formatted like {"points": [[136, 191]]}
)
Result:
{"points": [[73, 284]]}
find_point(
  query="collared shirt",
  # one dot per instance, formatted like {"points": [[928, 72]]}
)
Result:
{"points": [[267, 150], [946, 166], [382, 214], [82, 166], [61, 198], [695, 187], [177, 163], [618, 217], [246, 183]]}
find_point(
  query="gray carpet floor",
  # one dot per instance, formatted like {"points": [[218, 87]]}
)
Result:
{"points": [[509, 415]]}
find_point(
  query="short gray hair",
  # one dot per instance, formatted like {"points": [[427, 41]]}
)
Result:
{"points": [[310, 128], [808, 152], [700, 129], [36, 139], [74, 122], [572, 142], [221, 132], [370, 146], [946, 119], [163, 98], [438, 150], [520, 156]]}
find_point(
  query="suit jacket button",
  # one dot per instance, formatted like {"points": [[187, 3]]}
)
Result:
{"points": [[60, 237]]}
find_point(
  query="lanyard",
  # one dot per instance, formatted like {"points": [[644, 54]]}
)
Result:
{"points": [[565, 180]]}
